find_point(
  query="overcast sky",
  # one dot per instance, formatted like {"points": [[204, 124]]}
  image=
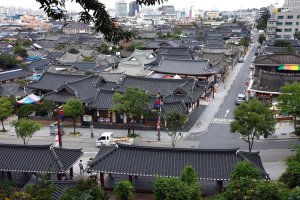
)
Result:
{"points": [[220, 5]]}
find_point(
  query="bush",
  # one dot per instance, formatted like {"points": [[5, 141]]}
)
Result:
{"points": [[124, 190], [73, 51], [75, 133], [133, 135]]}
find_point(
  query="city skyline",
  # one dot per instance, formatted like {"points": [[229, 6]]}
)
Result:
{"points": [[205, 5]]}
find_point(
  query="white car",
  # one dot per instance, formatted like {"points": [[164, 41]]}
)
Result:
{"points": [[240, 99]]}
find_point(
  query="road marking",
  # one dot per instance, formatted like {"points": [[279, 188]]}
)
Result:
{"points": [[227, 111], [90, 152], [221, 121]]}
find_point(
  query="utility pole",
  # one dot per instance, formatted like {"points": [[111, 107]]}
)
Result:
{"points": [[59, 115], [158, 101]]}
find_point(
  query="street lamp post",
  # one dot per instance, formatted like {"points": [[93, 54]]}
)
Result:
{"points": [[59, 116], [158, 102]]}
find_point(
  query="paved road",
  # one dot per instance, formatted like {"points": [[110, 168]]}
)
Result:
{"points": [[218, 134]]}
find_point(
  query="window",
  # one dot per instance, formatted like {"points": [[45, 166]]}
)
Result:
{"points": [[287, 30], [298, 16], [288, 23], [296, 30], [280, 17], [279, 30], [279, 23], [290, 16], [297, 23]]}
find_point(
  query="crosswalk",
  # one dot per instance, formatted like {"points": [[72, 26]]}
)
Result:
{"points": [[221, 121]]}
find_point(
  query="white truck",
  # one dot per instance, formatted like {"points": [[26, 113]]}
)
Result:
{"points": [[108, 139]]}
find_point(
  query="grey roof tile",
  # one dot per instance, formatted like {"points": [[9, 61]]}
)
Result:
{"points": [[37, 158], [14, 74], [210, 164]]}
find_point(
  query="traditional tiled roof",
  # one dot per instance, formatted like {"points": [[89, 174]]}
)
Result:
{"points": [[83, 89], [277, 59], [185, 67], [51, 81], [55, 54], [173, 50], [37, 158], [159, 58], [103, 100], [83, 66], [177, 106], [209, 164], [14, 74], [60, 187], [155, 44], [38, 65], [273, 81], [69, 57], [13, 90]]}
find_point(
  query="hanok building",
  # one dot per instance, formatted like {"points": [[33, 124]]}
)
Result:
{"points": [[271, 72], [141, 165], [13, 75], [156, 44], [16, 160], [182, 95]]}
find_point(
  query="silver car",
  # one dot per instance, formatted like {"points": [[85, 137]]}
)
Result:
{"points": [[240, 99]]}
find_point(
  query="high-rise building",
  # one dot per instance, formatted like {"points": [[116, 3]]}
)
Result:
{"points": [[134, 8], [168, 10], [292, 4], [121, 8]]}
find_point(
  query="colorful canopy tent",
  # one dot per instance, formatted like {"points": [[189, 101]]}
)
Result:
{"points": [[30, 99], [290, 67]]}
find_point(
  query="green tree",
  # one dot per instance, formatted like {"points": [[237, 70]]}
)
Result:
{"points": [[25, 110], [104, 49], [84, 189], [133, 102], [73, 108], [244, 170], [42, 190], [245, 183], [6, 110], [8, 61], [27, 43], [245, 42], [21, 51], [261, 38], [281, 43], [124, 190], [294, 194], [297, 35], [46, 107], [73, 51], [7, 188], [291, 176], [88, 59], [175, 121], [186, 187], [289, 101], [25, 128], [177, 31], [252, 120]]}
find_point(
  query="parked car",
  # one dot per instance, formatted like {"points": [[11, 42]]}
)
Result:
{"points": [[108, 139], [252, 66], [241, 60], [240, 99]]}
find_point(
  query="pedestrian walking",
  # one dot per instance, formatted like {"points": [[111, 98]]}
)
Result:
{"points": [[81, 167], [128, 128]]}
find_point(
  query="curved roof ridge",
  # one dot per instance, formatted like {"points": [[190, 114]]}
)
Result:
{"points": [[56, 158]]}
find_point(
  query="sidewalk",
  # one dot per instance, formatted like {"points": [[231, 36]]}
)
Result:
{"points": [[283, 131]]}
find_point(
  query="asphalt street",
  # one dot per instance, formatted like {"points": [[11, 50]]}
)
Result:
{"points": [[218, 134]]}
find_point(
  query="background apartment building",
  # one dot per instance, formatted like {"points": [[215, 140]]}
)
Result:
{"points": [[285, 22], [121, 8]]}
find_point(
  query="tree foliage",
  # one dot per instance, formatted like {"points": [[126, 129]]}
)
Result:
{"points": [[133, 102], [186, 187], [245, 42], [263, 20], [21, 51], [84, 189], [42, 190], [297, 35], [25, 128], [252, 120], [289, 100], [25, 110], [6, 110], [7, 188], [244, 170], [73, 108], [261, 38], [46, 107], [73, 51], [291, 176], [104, 49], [88, 59], [93, 11], [175, 122], [8, 61], [281, 43], [124, 190]]}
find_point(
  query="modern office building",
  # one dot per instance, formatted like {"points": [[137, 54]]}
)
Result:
{"points": [[134, 8], [292, 5], [121, 8]]}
